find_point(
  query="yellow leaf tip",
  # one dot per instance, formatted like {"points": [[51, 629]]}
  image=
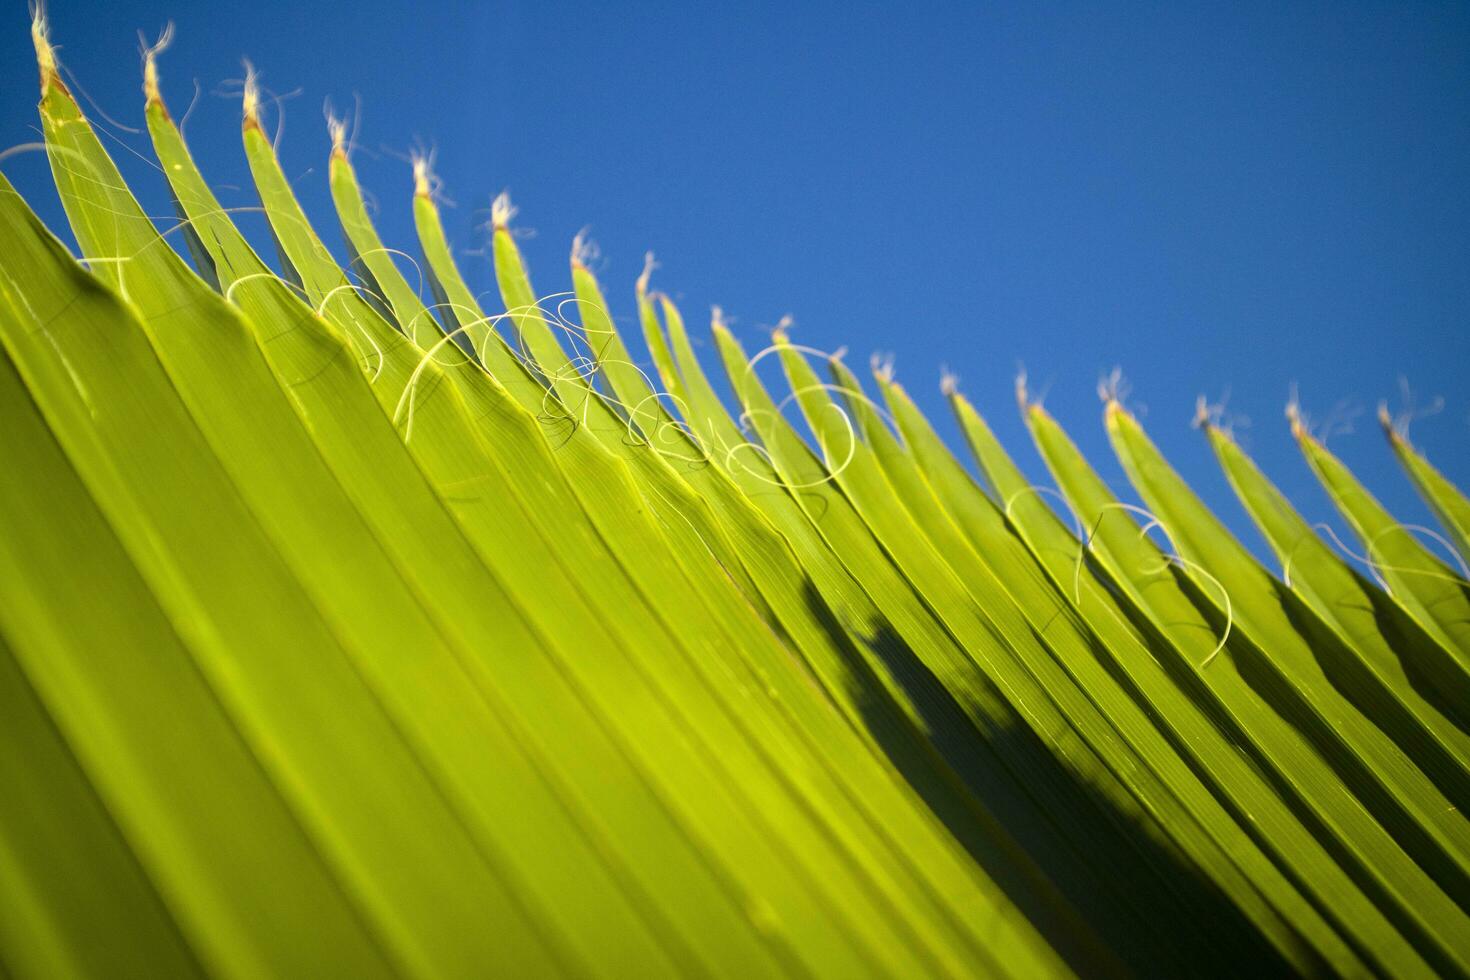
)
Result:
{"points": [[250, 98], [716, 320], [337, 129], [45, 50], [949, 383], [1023, 395], [1203, 416], [1113, 388], [151, 91], [646, 276], [584, 251], [1215, 432], [502, 211], [1294, 419], [422, 186], [1391, 427], [781, 333]]}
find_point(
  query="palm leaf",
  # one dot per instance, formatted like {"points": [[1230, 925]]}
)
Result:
{"points": [[353, 632]]}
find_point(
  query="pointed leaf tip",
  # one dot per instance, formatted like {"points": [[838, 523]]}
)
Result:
{"points": [[337, 129], [1023, 396], [1294, 419], [45, 52], [584, 250], [421, 185], [1204, 415], [250, 99], [502, 211], [151, 92], [716, 319], [782, 334], [1390, 428], [649, 264]]}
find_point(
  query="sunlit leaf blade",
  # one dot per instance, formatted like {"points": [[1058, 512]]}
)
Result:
{"points": [[880, 695], [628, 384], [542, 553], [1079, 678], [1266, 710], [377, 265], [988, 698], [737, 621], [1437, 595], [886, 630], [271, 655], [1417, 796], [77, 901], [277, 467], [1152, 668], [350, 629], [695, 525], [768, 569], [830, 652], [206, 822], [798, 695], [417, 522], [1387, 642], [1446, 500], [366, 244]]}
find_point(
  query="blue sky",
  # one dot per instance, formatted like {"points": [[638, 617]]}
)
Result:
{"points": [[1215, 197]]}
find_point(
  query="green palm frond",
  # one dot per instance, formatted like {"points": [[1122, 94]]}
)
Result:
{"points": [[349, 631]]}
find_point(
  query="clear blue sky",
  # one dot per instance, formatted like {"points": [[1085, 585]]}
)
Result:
{"points": [[1213, 196]]}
